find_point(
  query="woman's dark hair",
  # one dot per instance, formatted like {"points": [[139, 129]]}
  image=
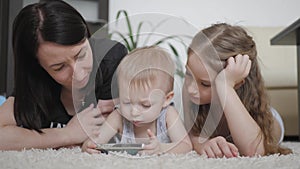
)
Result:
{"points": [[36, 93]]}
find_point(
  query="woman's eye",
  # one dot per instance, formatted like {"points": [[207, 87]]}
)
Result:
{"points": [[80, 57], [59, 69]]}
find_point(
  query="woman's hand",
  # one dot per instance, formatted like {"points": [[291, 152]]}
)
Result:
{"points": [[84, 124], [154, 146], [237, 69], [107, 106], [218, 147], [89, 146]]}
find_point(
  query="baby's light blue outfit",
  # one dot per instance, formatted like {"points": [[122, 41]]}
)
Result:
{"points": [[2, 100], [279, 119], [161, 129]]}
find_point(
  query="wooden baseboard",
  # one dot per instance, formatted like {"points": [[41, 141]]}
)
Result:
{"points": [[291, 138]]}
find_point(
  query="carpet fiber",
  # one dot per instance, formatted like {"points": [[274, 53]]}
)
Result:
{"points": [[75, 159]]}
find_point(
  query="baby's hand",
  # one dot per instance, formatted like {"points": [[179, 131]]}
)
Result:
{"points": [[237, 69], [218, 147], [154, 146], [90, 147]]}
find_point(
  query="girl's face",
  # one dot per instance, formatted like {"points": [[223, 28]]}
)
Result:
{"points": [[69, 66], [197, 81], [141, 106]]}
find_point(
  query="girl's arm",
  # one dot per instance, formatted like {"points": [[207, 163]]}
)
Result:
{"points": [[243, 128], [181, 142], [13, 137], [215, 147]]}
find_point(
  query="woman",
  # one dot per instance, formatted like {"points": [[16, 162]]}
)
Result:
{"points": [[56, 76]]}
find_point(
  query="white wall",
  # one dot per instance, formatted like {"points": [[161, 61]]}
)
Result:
{"points": [[88, 9], [270, 13]]}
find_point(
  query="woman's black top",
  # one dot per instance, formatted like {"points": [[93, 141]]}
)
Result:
{"points": [[108, 54]]}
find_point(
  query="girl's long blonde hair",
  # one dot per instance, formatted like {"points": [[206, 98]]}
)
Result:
{"points": [[229, 41]]}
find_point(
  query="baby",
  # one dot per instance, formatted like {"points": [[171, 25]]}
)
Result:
{"points": [[145, 80]]}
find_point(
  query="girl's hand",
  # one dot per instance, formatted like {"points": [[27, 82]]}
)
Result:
{"points": [[84, 124], [237, 69], [218, 147], [154, 146], [90, 147]]}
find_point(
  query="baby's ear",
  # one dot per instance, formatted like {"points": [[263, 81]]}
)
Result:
{"points": [[169, 98]]}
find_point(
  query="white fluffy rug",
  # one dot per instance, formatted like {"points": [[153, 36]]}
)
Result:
{"points": [[75, 159]]}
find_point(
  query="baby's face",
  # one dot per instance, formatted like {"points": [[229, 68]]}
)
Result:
{"points": [[141, 106]]}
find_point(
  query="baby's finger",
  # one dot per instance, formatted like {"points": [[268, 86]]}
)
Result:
{"points": [[146, 152], [148, 146], [150, 134]]}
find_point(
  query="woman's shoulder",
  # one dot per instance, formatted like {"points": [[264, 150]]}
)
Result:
{"points": [[107, 49]]}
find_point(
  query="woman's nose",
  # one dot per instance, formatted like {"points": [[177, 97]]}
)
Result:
{"points": [[78, 73]]}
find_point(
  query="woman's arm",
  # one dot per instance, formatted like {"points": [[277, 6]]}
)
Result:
{"points": [[13, 137], [110, 127], [244, 130]]}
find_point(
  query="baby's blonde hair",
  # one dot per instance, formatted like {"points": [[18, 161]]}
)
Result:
{"points": [[145, 67]]}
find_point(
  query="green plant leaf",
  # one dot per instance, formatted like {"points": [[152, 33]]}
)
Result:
{"points": [[138, 34], [129, 47], [180, 73], [130, 33], [165, 39], [132, 42], [173, 50]]}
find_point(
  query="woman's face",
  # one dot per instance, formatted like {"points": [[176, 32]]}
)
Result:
{"points": [[197, 81], [69, 66]]}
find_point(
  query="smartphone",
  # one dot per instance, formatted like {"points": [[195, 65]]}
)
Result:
{"points": [[132, 149]]}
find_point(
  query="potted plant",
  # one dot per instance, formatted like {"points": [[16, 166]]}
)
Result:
{"points": [[132, 39]]}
